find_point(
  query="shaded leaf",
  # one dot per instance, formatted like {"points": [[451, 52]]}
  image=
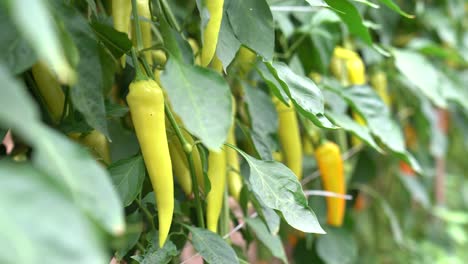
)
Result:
{"points": [[212, 247], [272, 242], [337, 247], [128, 176], [51, 232], [202, 99], [242, 15]]}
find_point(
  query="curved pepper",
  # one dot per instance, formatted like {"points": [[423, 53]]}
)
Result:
{"points": [[146, 103], [330, 164], [210, 34]]}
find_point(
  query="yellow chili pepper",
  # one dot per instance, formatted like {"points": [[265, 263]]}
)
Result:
{"points": [[234, 177], [217, 177], [210, 34], [96, 142], [146, 103], [245, 59], [195, 49], [179, 165], [121, 10], [289, 137], [380, 83], [145, 28], [330, 164]]}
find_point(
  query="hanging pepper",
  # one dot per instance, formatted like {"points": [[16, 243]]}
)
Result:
{"points": [[146, 102], [96, 142], [145, 28], [121, 10], [49, 90], [379, 83], [330, 164], [210, 34], [217, 177], [234, 177], [289, 137], [179, 165]]}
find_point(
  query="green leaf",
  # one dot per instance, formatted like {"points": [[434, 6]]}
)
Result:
{"points": [[228, 44], [421, 73], [65, 162], [364, 100], [352, 126], [128, 176], [37, 217], [272, 242], [87, 94], [212, 247], [17, 54], [272, 82], [131, 236], [396, 8], [277, 187], [84, 179], [416, 189], [41, 34], [117, 42], [115, 110], [305, 95], [337, 247], [243, 14], [158, 255], [350, 15], [202, 99], [175, 44], [264, 119]]}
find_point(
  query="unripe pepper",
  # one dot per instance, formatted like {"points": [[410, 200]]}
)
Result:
{"points": [[121, 10], [145, 28], [96, 142], [179, 165], [289, 136], [330, 164], [210, 34], [217, 177], [146, 102], [233, 174], [379, 83], [245, 59], [49, 90]]}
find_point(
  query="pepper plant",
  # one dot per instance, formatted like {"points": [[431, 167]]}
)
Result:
{"points": [[233, 131]]}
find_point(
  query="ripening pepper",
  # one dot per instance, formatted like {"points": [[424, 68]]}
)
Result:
{"points": [[146, 102], [217, 177], [179, 165], [211, 31], [289, 136], [233, 174], [330, 164], [379, 82], [145, 28], [96, 142], [49, 90], [121, 11]]}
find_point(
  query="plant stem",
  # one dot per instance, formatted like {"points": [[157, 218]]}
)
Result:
{"points": [[136, 22], [147, 214], [170, 15], [189, 155]]}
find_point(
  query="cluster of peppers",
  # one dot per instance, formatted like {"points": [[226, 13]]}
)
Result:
{"points": [[164, 154]]}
